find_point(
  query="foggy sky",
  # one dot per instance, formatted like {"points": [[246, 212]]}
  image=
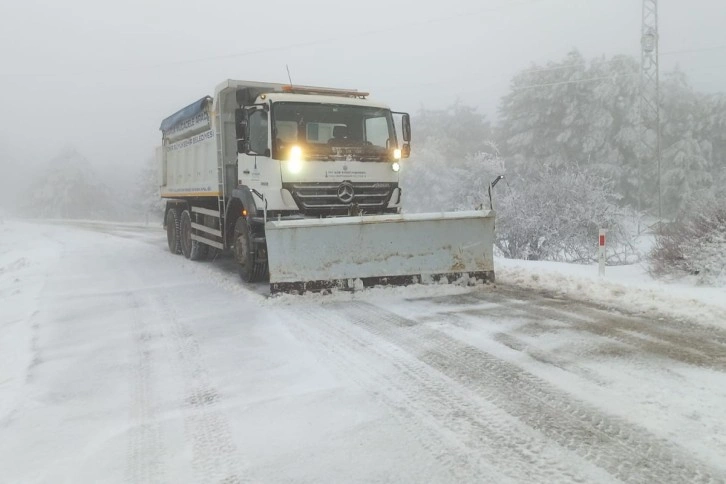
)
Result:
{"points": [[101, 75]]}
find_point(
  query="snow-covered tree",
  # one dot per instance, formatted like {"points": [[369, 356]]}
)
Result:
{"points": [[457, 131], [69, 187], [541, 120], [685, 172], [575, 112], [448, 159], [543, 211], [616, 155], [478, 171], [555, 215], [148, 203], [586, 113], [714, 130], [695, 244]]}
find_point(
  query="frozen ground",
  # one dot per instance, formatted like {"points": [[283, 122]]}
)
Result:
{"points": [[120, 362], [623, 287]]}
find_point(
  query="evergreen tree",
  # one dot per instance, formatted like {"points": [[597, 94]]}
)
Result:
{"points": [[540, 120], [575, 113], [685, 172]]}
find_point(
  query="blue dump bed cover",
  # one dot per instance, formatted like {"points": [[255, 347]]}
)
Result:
{"points": [[185, 113]]}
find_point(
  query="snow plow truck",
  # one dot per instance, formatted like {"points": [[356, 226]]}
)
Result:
{"points": [[301, 184]]}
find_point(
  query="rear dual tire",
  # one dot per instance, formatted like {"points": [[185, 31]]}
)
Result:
{"points": [[173, 231]]}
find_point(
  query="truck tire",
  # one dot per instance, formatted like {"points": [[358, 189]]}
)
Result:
{"points": [[192, 249], [173, 231], [250, 268]]}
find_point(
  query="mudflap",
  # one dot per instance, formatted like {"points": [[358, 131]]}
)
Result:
{"points": [[355, 252]]}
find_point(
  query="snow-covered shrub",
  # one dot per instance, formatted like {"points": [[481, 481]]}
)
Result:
{"points": [[69, 187], [147, 201], [479, 170], [695, 244], [433, 182], [451, 159], [429, 179], [552, 215]]}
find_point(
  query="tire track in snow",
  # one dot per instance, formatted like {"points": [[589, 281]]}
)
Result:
{"points": [[567, 357], [473, 308], [680, 332], [343, 351], [548, 358], [469, 437], [146, 452], [625, 451], [35, 350], [687, 343], [215, 457]]}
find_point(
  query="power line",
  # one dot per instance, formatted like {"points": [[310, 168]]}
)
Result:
{"points": [[505, 78], [691, 51], [592, 64], [577, 81], [373, 32], [534, 70], [358, 34], [532, 86], [585, 65], [265, 50]]}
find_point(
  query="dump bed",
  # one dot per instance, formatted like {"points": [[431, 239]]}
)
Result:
{"points": [[188, 155]]}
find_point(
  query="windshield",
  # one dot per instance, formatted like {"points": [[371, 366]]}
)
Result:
{"points": [[333, 131]]}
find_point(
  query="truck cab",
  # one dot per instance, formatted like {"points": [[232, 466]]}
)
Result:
{"points": [[316, 152]]}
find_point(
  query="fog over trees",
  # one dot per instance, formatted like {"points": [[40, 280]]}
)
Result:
{"points": [[568, 138]]}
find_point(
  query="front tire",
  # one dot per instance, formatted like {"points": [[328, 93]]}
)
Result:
{"points": [[251, 268], [192, 249], [173, 231]]}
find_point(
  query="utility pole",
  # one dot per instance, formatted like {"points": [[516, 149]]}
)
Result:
{"points": [[650, 95]]}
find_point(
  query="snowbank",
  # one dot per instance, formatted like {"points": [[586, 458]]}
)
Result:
{"points": [[623, 287]]}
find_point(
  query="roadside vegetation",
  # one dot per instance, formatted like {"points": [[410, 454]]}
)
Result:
{"points": [[574, 162]]}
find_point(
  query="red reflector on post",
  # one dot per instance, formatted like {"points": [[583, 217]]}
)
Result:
{"points": [[602, 241]]}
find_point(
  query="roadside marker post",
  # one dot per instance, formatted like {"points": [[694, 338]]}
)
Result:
{"points": [[601, 251]]}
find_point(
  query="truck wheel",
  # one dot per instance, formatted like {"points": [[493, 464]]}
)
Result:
{"points": [[192, 249], [250, 269], [173, 231]]}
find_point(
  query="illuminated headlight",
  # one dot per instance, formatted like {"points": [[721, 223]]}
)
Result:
{"points": [[396, 154], [294, 162], [396, 166]]}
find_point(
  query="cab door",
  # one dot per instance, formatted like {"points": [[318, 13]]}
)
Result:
{"points": [[255, 167]]}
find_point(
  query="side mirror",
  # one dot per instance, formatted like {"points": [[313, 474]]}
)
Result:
{"points": [[406, 127], [241, 122]]}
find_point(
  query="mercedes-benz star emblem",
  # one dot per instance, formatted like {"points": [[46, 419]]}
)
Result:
{"points": [[345, 192]]}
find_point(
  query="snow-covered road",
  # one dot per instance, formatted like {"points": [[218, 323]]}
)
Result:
{"points": [[120, 362]]}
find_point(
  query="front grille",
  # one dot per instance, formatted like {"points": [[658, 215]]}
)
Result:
{"points": [[322, 198]]}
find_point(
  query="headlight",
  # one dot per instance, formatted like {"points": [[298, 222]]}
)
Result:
{"points": [[396, 166], [295, 166], [396, 154], [294, 162]]}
